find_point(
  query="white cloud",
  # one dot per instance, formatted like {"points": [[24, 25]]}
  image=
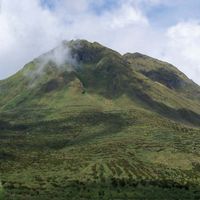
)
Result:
{"points": [[28, 29], [183, 48], [125, 16]]}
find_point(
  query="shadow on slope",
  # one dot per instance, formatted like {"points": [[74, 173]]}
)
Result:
{"points": [[183, 114], [74, 130]]}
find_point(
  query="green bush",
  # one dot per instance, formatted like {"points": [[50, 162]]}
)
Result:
{"points": [[1, 192]]}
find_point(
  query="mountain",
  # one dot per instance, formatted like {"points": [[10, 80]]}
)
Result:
{"points": [[85, 118], [92, 72]]}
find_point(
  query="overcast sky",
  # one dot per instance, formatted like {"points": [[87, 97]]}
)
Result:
{"points": [[165, 29]]}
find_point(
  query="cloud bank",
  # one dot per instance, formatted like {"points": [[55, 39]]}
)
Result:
{"points": [[30, 28]]}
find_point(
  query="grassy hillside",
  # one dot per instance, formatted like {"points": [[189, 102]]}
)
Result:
{"points": [[101, 155], [99, 125]]}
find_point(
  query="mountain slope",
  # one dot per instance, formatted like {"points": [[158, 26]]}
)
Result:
{"points": [[163, 73], [84, 122]]}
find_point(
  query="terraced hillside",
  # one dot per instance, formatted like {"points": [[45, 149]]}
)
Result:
{"points": [[99, 125]]}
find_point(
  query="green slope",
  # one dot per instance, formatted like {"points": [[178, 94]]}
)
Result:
{"points": [[99, 126]]}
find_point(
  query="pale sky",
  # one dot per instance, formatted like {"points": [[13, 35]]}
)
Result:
{"points": [[165, 29]]}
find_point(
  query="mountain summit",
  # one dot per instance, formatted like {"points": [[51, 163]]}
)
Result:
{"points": [[84, 122]]}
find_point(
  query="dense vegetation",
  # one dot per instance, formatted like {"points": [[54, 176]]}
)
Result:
{"points": [[101, 155], [112, 128]]}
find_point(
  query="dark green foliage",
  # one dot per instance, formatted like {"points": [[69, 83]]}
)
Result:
{"points": [[61, 81], [166, 77], [4, 125]]}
